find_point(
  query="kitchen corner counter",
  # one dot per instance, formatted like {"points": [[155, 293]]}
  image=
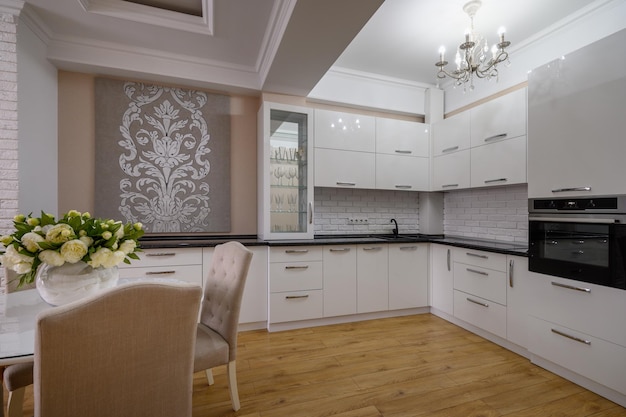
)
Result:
{"points": [[497, 246]]}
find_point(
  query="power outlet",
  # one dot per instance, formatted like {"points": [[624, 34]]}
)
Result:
{"points": [[358, 220]]}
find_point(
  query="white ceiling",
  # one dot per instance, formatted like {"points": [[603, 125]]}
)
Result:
{"points": [[282, 46]]}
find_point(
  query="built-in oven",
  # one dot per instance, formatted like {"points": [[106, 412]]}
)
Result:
{"points": [[582, 239]]}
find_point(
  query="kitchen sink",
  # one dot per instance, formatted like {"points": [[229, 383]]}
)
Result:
{"points": [[396, 238]]}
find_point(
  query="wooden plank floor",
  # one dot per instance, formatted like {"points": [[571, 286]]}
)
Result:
{"points": [[409, 366]]}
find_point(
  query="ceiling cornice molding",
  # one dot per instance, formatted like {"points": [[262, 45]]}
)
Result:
{"points": [[34, 22], [369, 76], [281, 13], [154, 16], [13, 7]]}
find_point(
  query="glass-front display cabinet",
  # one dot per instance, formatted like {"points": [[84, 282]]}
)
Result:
{"points": [[285, 172]]}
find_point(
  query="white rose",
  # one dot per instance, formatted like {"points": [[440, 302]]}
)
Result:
{"points": [[87, 240], [15, 261], [107, 235], [31, 241], [73, 251], [60, 233], [106, 258], [128, 246], [51, 257]]}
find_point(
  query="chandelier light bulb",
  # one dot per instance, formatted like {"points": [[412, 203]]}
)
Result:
{"points": [[442, 51]]}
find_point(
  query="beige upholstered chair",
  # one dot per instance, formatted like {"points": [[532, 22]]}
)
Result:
{"points": [[126, 352], [216, 341], [16, 377]]}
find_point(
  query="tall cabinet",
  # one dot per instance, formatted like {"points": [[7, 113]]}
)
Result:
{"points": [[285, 176]]}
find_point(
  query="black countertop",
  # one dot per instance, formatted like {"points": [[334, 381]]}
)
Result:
{"points": [[497, 246]]}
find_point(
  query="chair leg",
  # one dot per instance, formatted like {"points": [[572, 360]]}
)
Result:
{"points": [[209, 376], [232, 385], [15, 402]]}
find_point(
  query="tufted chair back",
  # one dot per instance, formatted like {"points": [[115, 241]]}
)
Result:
{"points": [[223, 291]]}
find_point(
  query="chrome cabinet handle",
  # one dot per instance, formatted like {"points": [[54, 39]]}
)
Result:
{"points": [[294, 297], [297, 251], [496, 180], [562, 190], [373, 248], [571, 287], [454, 148], [477, 302], [161, 254], [495, 137], [408, 247], [569, 336], [511, 265], [404, 186], [160, 272], [476, 255], [339, 250], [310, 212], [449, 185], [347, 184], [297, 267], [448, 259], [476, 272], [404, 152]]}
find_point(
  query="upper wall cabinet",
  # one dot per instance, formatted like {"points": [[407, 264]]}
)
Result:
{"points": [[451, 134], [402, 137], [576, 144], [501, 118], [344, 131]]}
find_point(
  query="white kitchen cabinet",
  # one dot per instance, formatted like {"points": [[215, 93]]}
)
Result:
{"points": [[372, 278], [405, 173], [166, 263], [499, 163], [254, 299], [285, 172], [517, 295], [402, 137], [451, 134], [340, 281], [441, 278], [408, 275], [576, 143], [451, 171], [480, 312], [295, 283], [344, 131], [344, 169], [500, 118]]}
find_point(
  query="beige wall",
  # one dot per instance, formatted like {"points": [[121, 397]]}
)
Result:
{"points": [[77, 151]]}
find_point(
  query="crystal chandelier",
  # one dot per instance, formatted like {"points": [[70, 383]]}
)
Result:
{"points": [[472, 55]]}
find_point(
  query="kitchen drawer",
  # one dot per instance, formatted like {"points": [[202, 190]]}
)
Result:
{"points": [[482, 313], [298, 305], [594, 358], [592, 309], [189, 273], [483, 259], [295, 276], [483, 282], [166, 256], [295, 253]]}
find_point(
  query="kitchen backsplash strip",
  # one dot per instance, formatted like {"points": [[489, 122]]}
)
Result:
{"points": [[334, 207], [488, 213]]}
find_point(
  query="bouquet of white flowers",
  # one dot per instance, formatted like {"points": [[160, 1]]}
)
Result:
{"points": [[75, 237]]}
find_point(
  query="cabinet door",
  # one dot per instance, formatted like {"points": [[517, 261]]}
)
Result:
{"points": [[499, 163], [408, 275], [501, 118], [345, 131], [451, 134], [576, 123], [452, 171], [339, 280], [347, 169], [372, 278], [441, 278], [402, 137], [517, 297], [402, 173]]}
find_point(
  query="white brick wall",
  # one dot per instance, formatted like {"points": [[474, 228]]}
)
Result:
{"points": [[489, 213], [333, 207]]}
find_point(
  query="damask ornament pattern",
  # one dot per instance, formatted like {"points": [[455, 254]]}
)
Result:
{"points": [[167, 158]]}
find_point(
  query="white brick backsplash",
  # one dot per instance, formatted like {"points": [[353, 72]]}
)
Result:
{"points": [[499, 213]]}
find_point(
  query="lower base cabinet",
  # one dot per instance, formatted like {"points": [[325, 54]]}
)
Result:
{"points": [[340, 281], [408, 275], [482, 313], [372, 287]]}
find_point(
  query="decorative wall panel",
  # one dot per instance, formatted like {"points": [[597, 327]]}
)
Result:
{"points": [[162, 157]]}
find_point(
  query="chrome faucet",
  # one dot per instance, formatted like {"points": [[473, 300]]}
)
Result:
{"points": [[395, 230]]}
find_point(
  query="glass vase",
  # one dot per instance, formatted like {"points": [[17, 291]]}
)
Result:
{"points": [[58, 285]]}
